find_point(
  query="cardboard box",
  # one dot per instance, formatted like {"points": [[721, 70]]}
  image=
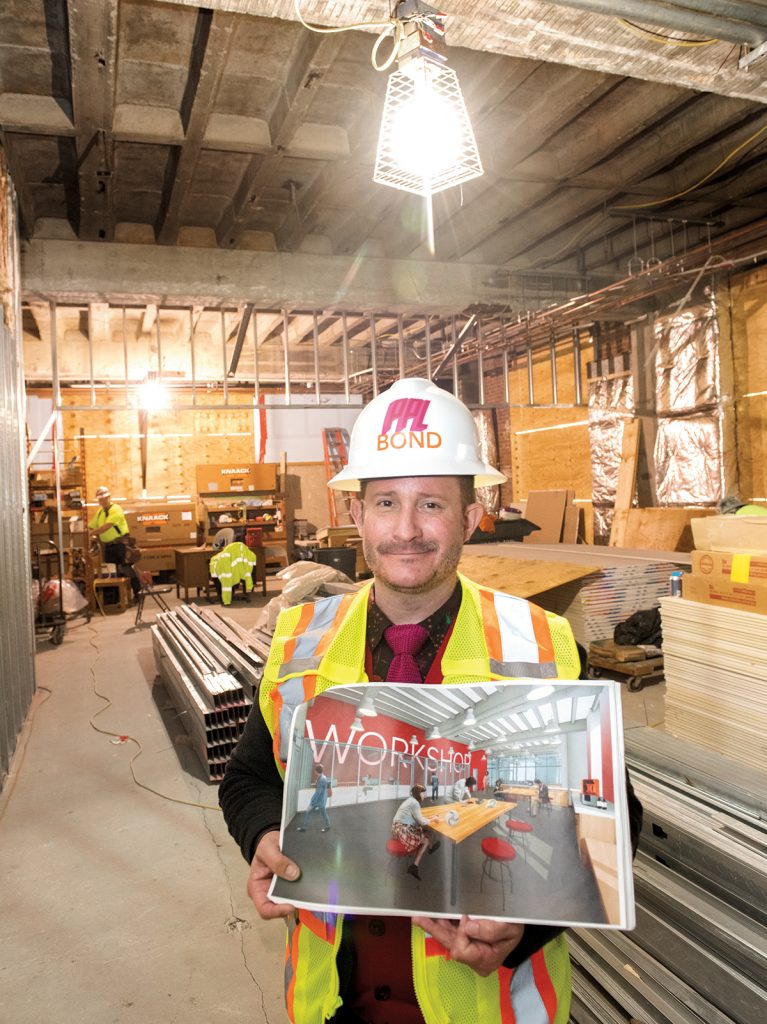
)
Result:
{"points": [[737, 567], [235, 477], [168, 523], [731, 533], [749, 597]]}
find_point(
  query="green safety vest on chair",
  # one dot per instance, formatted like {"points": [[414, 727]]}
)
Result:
{"points": [[232, 565]]}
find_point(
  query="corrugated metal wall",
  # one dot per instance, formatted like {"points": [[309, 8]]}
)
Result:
{"points": [[17, 674]]}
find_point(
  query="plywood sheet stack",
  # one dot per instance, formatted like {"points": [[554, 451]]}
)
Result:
{"points": [[595, 587], [715, 641], [716, 678], [596, 604]]}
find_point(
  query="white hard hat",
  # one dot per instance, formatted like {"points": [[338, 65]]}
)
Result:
{"points": [[102, 492], [414, 429]]}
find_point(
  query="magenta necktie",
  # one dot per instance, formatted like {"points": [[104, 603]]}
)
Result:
{"points": [[406, 641]]}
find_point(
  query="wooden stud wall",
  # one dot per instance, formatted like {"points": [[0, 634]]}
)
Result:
{"points": [[177, 443], [748, 330], [556, 458]]}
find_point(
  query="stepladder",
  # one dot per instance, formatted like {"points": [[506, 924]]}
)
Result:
{"points": [[335, 443]]}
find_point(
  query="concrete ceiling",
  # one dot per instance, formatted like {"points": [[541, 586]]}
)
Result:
{"points": [[227, 126]]}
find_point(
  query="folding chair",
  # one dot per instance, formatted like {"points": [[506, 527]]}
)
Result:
{"points": [[148, 589]]}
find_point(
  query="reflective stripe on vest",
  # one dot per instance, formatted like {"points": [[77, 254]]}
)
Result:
{"points": [[518, 637], [302, 654], [528, 1002], [310, 637]]}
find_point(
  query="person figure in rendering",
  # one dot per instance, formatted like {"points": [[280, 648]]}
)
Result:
{"points": [[110, 526], [319, 800], [414, 463], [434, 780], [463, 790], [411, 829]]}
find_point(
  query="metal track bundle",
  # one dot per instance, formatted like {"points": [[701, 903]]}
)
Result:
{"points": [[698, 954], [211, 669]]}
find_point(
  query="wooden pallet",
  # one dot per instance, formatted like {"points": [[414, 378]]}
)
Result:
{"points": [[638, 673]]}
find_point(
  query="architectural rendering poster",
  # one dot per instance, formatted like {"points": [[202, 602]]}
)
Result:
{"points": [[500, 800]]}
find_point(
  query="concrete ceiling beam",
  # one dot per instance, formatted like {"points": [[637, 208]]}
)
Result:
{"points": [[108, 272], [538, 30], [317, 54], [210, 51], [93, 52], [635, 162]]}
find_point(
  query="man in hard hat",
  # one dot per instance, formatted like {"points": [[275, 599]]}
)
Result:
{"points": [[413, 465], [111, 527]]}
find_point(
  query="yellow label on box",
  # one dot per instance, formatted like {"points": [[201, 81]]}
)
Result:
{"points": [[741, 568]]}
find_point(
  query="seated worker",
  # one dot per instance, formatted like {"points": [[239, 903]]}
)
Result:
{"points": [[462, 790], [410, 828], [110, 525], [414, 463], [233, 563]]}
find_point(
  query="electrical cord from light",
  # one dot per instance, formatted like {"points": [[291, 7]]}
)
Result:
{"points": [[677, 195], [124, 737], [391, 27], [660, 38]]}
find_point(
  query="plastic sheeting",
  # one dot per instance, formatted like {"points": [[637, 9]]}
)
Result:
{"points": [[611, 403], [688, 455], [686, 361], [490, 497], [688, 458]]}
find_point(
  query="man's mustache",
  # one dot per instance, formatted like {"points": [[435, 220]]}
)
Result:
{"points": [[422, 547]]}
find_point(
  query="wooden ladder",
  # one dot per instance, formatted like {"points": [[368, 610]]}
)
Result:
{"points": [[335, 444]]}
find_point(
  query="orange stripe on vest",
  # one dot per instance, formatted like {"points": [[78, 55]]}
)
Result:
{"points": [[543, 983], [433, 947], [492, 629], [504, 983], [290, 993], [542, 634], [328, 635], [322, 929]]}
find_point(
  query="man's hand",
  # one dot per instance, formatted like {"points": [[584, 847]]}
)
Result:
{"points": [[267, 862], [481, 944]]}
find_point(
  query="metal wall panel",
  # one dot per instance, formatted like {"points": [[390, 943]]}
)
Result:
{"points": [[17, 678]]}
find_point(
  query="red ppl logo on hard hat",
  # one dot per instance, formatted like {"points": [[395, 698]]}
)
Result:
{"points": [[406, 419]]}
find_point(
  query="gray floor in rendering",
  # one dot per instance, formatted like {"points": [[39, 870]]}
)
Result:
{"points": [[349, 866]]}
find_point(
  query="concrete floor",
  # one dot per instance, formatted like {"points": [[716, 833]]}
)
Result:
{"points": [[120, 907]]}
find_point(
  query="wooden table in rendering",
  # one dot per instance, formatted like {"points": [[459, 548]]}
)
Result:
{"points": [[471, 818]]}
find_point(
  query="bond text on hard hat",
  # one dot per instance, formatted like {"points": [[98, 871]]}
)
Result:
{"points": [[405, 426]]}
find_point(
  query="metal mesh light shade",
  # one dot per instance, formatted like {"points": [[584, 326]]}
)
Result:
{"points": [[426, 143]]}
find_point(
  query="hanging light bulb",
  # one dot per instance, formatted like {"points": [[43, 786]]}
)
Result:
{"points": [[152, 394], [426, 143], [469, 719], [367, 706], [434, 733]]}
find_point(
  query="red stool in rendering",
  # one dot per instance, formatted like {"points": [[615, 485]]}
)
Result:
{"points": [[498, 851], [519, 830], [397, 852]]}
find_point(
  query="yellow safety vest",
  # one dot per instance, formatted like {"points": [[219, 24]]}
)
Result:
{"points": [[232, 565], [496, 636]]}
